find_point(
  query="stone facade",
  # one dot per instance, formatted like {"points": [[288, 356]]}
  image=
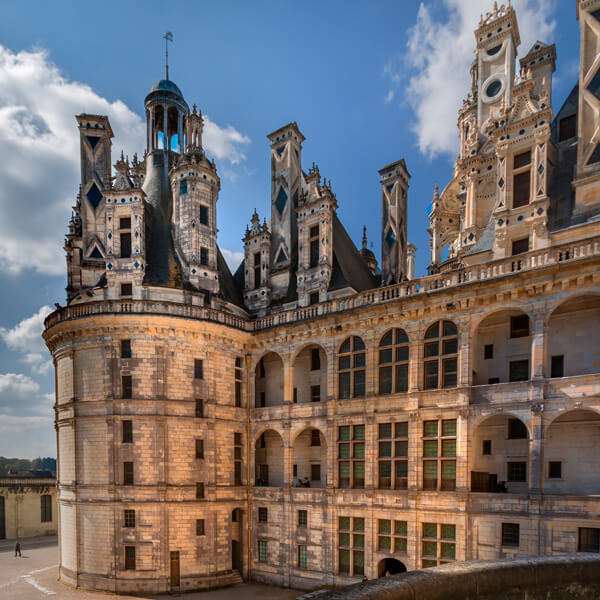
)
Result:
{"points": [[447, 418]]}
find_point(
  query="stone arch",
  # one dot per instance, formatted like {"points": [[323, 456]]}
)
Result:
{"points": [[390, 565], [268, 380], [268, 459], [501, 348], [499, 452], [310, 457], [310, 374], [570, 349], [571, 458]]}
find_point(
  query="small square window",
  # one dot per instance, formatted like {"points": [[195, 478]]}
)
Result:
{"points": [[557, 366], [487, 447], [127, 431], [126, 387], [126, 289], [125, 348], [315, 472], [314, 298], [522, 160], [263, 515], [199, 448], [516, 471], [302, 518], [520, 246], [200, 529], [589, 540], [518, 370], [555, 469], [125, 223], [128, 518], [519, 326], [510, 534], [200, 491], [488, 351], [315, 393], [198, 369]]}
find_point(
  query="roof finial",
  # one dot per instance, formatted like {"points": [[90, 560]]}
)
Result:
{"points": [[168, 38], [364, 240]]}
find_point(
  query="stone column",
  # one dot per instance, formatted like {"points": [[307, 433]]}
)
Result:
{"points": [[414, 450], [536, 455], [464, 375], [288, 378], [538, 343]]}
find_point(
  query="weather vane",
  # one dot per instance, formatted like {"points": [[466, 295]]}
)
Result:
{"points": [[168, 38]]}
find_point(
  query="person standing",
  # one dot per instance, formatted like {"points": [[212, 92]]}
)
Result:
{"points": [[17, 549]]}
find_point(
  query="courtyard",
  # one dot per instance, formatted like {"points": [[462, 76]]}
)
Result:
{"points": [[33, 576]]}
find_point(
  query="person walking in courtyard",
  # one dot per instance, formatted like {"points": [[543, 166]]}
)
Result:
{"points": [[17, 549]]}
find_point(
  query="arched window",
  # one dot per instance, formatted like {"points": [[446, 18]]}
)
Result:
{"points": [[351, 365], [440, 355], [393, 362]]}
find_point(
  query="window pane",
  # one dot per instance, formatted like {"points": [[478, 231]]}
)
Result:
{"points": [[359, 450], [385, 357], [359, 432], [401, 469], [448, 469], [431, 374], [359, 384], [344, 385], [402, 378], [431, 349], [448, 532], [401, 337], [449, 427], [344, 362], [344, 561], [449, 328], [401, 430], [449, 448], [385, 468], [359, 524], [384, 543], [385, 430], [430, 429], [385, 380], [400, 528], [401, 449], [344, 450], [344, 431], [385, 449], [344, 539], [450, 346], [345, 469], [359, 361], [345, 347], [447, 551], [433, 331], [344, 523], [358, 344], [384, 526], [449, 375], [358, 541], [430, 549], [430, 448], [430, 530], [400, 545], [430, 469], [387, 339]]}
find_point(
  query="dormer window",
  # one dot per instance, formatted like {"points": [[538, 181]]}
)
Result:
{"points": [[314, 246], [256, 270]]}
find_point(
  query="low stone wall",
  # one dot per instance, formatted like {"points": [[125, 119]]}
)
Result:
{"points": [[572, 577]]}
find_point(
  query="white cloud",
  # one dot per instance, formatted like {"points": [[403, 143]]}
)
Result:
{"points": [[39, 155], [26, 337], [232, 258], [437, 60], [12, 424], [390, 96]]}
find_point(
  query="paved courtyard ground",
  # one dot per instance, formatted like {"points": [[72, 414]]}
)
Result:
{"points": [[33, 577]]}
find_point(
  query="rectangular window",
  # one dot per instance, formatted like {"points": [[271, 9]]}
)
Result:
{"points": [[237, 459], [199, 408], [518, 370], [126, 386], [315, 472], [314, 246], [487, 447], [351, 456], [46, 508], [555, 469], [128, 518], [198, 369], [125, 245], [393, 455], [520, 246], [302, 518], [203, 215], [200, 528], [183, 187], [256, 270], [510, 534], [439, 455], [127, 432], [199, 491], [567, 128], [351, 544], [519, 326], [557, 366], [130, 558], [238, 382], [315, 437], [315, 359], [488, 351], [126, 289], [127, 473], [589, 540], [313, 298], [125, 223], [125, 348], [263, 515], [263, 554], [302, 558], [204, 256], [521, 179], [199, 448], [392, 536], [263, 473], [516, 471], [315, 393], [438, 544]]}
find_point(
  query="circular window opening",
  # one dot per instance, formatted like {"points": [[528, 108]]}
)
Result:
{"points": [[493, 88]]}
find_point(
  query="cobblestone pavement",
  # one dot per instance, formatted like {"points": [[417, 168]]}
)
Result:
{"points": [[33, 577]]}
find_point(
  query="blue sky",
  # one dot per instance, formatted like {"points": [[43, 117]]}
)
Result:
{"points": [[367, 83]]}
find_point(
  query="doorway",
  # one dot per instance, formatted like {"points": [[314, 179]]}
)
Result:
{"points": [[391, 566], [236, 540], [2, 521], [174, 570]]}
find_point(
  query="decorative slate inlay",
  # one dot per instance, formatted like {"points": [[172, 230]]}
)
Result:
{"points": [[390, 238], [594, 85], [541, 169], [540, 211], [136, 264], [95, 253], [501, 182], [94, 196], [389, 187], [280, 150], [93, 140], [281, 257], [281, 200]]}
